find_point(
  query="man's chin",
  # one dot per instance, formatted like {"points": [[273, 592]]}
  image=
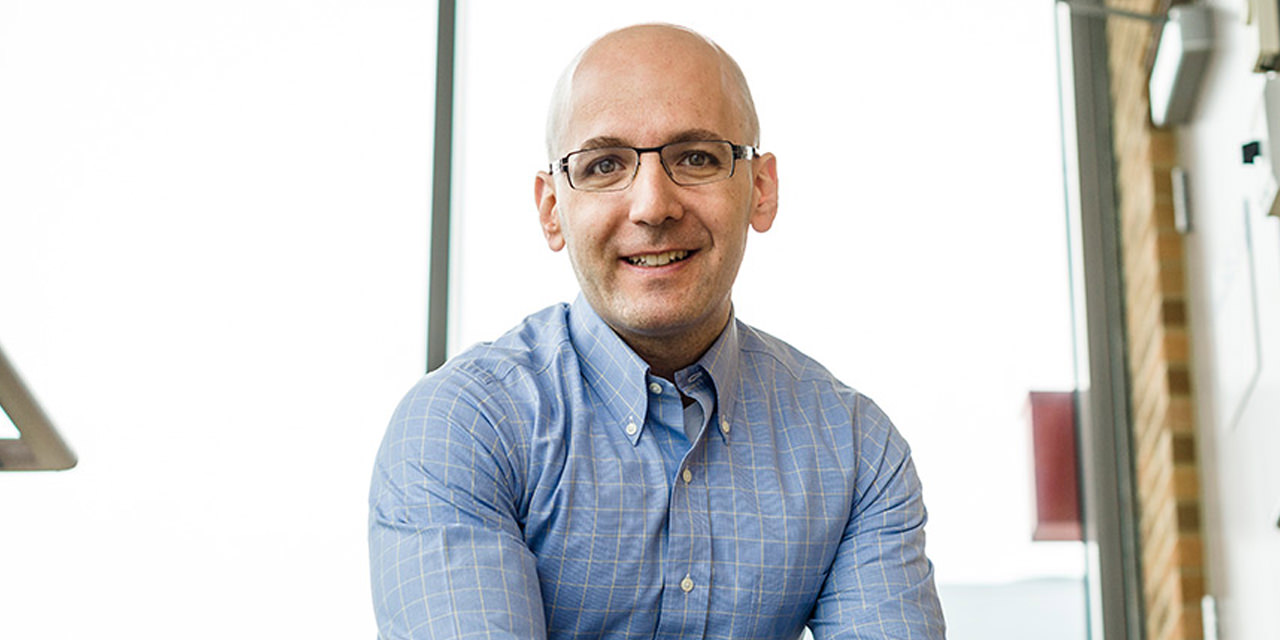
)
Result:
{"points": [[668, 322]]}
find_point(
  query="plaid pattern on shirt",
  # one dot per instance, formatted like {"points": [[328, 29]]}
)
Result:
{"points": [[543, 486]]}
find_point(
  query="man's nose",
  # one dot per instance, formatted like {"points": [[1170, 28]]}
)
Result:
{"points": [[653, 194]]}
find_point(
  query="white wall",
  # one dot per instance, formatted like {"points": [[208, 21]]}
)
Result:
{"points": [[213, 239], [1233, 260]]}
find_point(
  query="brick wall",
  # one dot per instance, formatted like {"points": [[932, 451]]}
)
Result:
{"points": [[1158, 350]]}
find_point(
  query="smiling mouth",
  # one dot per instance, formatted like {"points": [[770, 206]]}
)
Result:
{"points": [[657, 259]]}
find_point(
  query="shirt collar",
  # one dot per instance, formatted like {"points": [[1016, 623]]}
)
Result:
{"points": [[617, 374], [610, 368], [721, 363]]}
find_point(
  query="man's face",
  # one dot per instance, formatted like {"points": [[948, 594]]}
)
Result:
{"points": [[656, 260]]}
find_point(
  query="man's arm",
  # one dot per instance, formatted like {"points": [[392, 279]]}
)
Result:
{"points": [[881, 584], [447, 557]]}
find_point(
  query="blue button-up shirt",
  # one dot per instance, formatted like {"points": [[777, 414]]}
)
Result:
{"points": [[545, 485]]}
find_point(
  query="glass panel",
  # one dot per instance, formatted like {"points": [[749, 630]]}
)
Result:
{"points": [[920, 251]]}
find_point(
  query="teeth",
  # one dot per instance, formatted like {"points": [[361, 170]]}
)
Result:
{"points": [[658, 259]]}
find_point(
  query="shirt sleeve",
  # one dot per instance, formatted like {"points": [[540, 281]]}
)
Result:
{"points": [[446, 552], [881, 583]]}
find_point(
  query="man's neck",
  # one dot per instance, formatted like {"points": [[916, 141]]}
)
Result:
{"points": [[667, 354]]}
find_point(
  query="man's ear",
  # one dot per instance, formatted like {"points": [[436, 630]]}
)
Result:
{"points": [[544, 196], [765, 192]]}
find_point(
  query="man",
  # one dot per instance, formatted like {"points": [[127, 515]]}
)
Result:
{"points": [[639, 464]]}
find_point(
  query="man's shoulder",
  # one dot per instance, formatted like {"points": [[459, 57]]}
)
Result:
{"points": [[762, 349], [786, 368], [532, 346], [500, 379]]}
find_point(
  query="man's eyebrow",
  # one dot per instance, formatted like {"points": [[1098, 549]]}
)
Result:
{"points": [[688, 135], [603, 141], [692, 135]]}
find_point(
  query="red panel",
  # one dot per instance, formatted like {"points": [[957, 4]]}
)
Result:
{"points": [[1053, 431]]}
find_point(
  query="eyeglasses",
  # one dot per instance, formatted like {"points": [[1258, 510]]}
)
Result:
{"points": [[687, 163]]}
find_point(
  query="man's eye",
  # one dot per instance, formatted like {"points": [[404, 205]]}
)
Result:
{"points": [[698, 159], [604, 166]]}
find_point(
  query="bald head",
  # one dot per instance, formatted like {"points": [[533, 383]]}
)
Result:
{"points": [[651, 50]]}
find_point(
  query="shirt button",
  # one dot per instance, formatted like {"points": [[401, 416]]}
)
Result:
{"points": [[686, 585], [632, 428], [688, 477], [724, 425], [655, 388]]}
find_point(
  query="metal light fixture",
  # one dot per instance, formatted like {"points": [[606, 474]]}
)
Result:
{"points": [[40, 446], [1181, 58]]}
